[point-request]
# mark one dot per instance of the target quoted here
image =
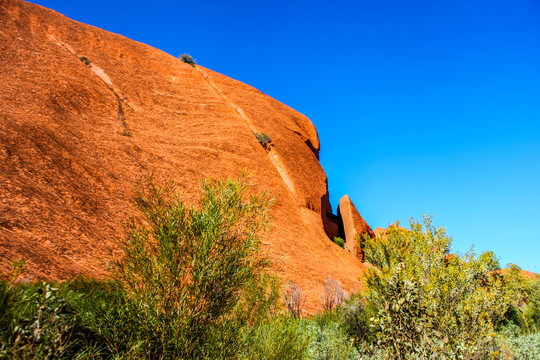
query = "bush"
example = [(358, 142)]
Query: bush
[(518, 346), (339, 242), (355, 322), (427, 303), (294, 299), (333, 294), (192, 284), (328, 342), (188, 59), (112, 322), (277, 338), (39, 323), (524, 300), (190, 267), (263, 139), (85, 60)]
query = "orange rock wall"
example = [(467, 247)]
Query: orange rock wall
[(353, 225), (74, 140)]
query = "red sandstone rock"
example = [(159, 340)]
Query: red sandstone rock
[(353, 225), (379, 231), (75, 139)]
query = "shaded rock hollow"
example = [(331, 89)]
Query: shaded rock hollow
[(75, 139)]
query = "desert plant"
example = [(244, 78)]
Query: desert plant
[(278, 338), (524, 299), (42, 325), (328, 340), (188, 59), (263, 139), (339, 241), (85, 60), (294, 299), (516, 345), (333, 294), (355, 322), (187, 270), (425, 302)]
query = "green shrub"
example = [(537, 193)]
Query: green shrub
[(518, 346), (188, 59), (328, 341), (424, 302), (85, 60), (112, 322), (188, 269), (38, 323), (263, 139), (192, 284), (355, 322), (339, 241), (524, 300), (277, 338)]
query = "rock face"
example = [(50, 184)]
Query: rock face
[(353, 225), (379, 231), (85, 114)]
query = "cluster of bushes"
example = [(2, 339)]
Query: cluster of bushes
[(194, 284), (422, 302)]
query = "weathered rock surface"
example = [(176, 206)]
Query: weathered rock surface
[(353, 225), (380, 231), (75, 139)]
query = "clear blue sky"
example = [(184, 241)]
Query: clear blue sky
[(421, 106)]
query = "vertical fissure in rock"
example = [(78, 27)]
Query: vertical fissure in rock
[(100, 73), (274, 157)]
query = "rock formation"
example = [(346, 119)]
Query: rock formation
[(353, 225), (85, 114)]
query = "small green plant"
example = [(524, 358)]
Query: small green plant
[(263, 139), (280, 337), (85, 60), (339, 241), (188, 59)]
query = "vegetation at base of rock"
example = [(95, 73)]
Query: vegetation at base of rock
[(520, 346), (188, 59), (339, 241), (294, 299), (99, 321), (263, 139), (524, 305), (424, 302), (333, 295), (194, 284), (191, 266)]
